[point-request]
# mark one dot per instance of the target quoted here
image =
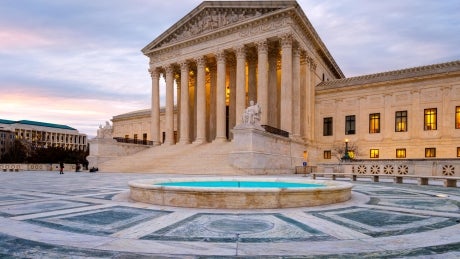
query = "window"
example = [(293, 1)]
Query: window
[(135, 138), (400, 153), (374, 153), (327, 126), (350, 122), (144, 138), (401, 121), (327, 154), (458, 151), (126, 137), (374, 123), (457, 117), (430, 119), (430, 152)]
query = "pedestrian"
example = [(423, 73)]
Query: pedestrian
[(61, 167)]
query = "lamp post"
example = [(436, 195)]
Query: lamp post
[(346, 156)]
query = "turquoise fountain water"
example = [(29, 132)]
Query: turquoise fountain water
[(240, 184)]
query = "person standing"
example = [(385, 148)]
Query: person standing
[(61, 168)]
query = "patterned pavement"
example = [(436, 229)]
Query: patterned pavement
[(89, 215)]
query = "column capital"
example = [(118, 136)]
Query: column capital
[(220, 56), (296, 51), (154, 72), (262, 46), (240, 51), (286, 40), (169, 69), (184, 65), (200, 61)]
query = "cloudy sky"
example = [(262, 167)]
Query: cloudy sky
[(78, 62)]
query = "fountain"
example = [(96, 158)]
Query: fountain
[(252, 192)]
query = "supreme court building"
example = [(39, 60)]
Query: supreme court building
[(223, 54)]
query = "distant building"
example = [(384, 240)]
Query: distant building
[(6, 141), (42, 134)]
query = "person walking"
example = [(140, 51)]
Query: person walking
[(61, 168)]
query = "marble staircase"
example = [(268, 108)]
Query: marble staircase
[(207, 158)]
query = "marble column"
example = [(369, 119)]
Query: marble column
[(178, 105), (240, 82), (201, 100), (286, 83), (211, 102), (220, 96), (232, 98), (252, 78), (262, 80), (155, 111), (296, 93), (169, 127), (184, 107), (273, 96)]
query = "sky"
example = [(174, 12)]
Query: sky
[(79, 62)]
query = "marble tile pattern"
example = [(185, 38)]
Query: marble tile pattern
[(81, 215)]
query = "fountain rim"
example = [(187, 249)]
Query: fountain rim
[(150, 184)]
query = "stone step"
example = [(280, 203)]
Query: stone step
[(207, 158)]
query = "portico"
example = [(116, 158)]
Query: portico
[(224, 54)]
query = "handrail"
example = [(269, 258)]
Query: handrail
[(134, 141), (276, 131)]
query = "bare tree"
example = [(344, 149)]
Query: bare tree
[(338, 150)]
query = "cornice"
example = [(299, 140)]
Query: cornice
[(402, 74)]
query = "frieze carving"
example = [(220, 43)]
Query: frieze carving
[(259, 28), (211, 19)]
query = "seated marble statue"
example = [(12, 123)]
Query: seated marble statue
[(105, 132), (251, 115)]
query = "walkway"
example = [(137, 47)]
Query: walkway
[(80, 215)]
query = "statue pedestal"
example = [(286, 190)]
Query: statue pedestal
[(259, 152)]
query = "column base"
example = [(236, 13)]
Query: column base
[(199, 141), (220, 140)]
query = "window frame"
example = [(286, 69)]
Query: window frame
[(328, 123), (457, 117), (430, 152), (350, 124), (430, 115), (401, 124), (374, 153), (374, 123), (400, 151)]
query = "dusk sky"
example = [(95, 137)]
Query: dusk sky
[(79, 62)]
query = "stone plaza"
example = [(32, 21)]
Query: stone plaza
[(89, 215)]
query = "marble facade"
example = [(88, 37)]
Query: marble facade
[(222, 55)]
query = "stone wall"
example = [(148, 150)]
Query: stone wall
[(104, 149), (433, 167)]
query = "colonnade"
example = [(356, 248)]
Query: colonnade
[(213, 90)]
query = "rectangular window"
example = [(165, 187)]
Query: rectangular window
[(400, 153), (458, 151), (457, 117), (430, 152), (327, 154), (126, 137), (327, 126), (135, 138), (350, 123), (430, 119), (374, 153), (401, 121), (374, 123)]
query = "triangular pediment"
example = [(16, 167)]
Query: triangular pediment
[(215, 15)]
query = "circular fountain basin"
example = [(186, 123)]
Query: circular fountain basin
[(272, 193)]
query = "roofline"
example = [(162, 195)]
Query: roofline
[(413, 72), (38, 123)]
